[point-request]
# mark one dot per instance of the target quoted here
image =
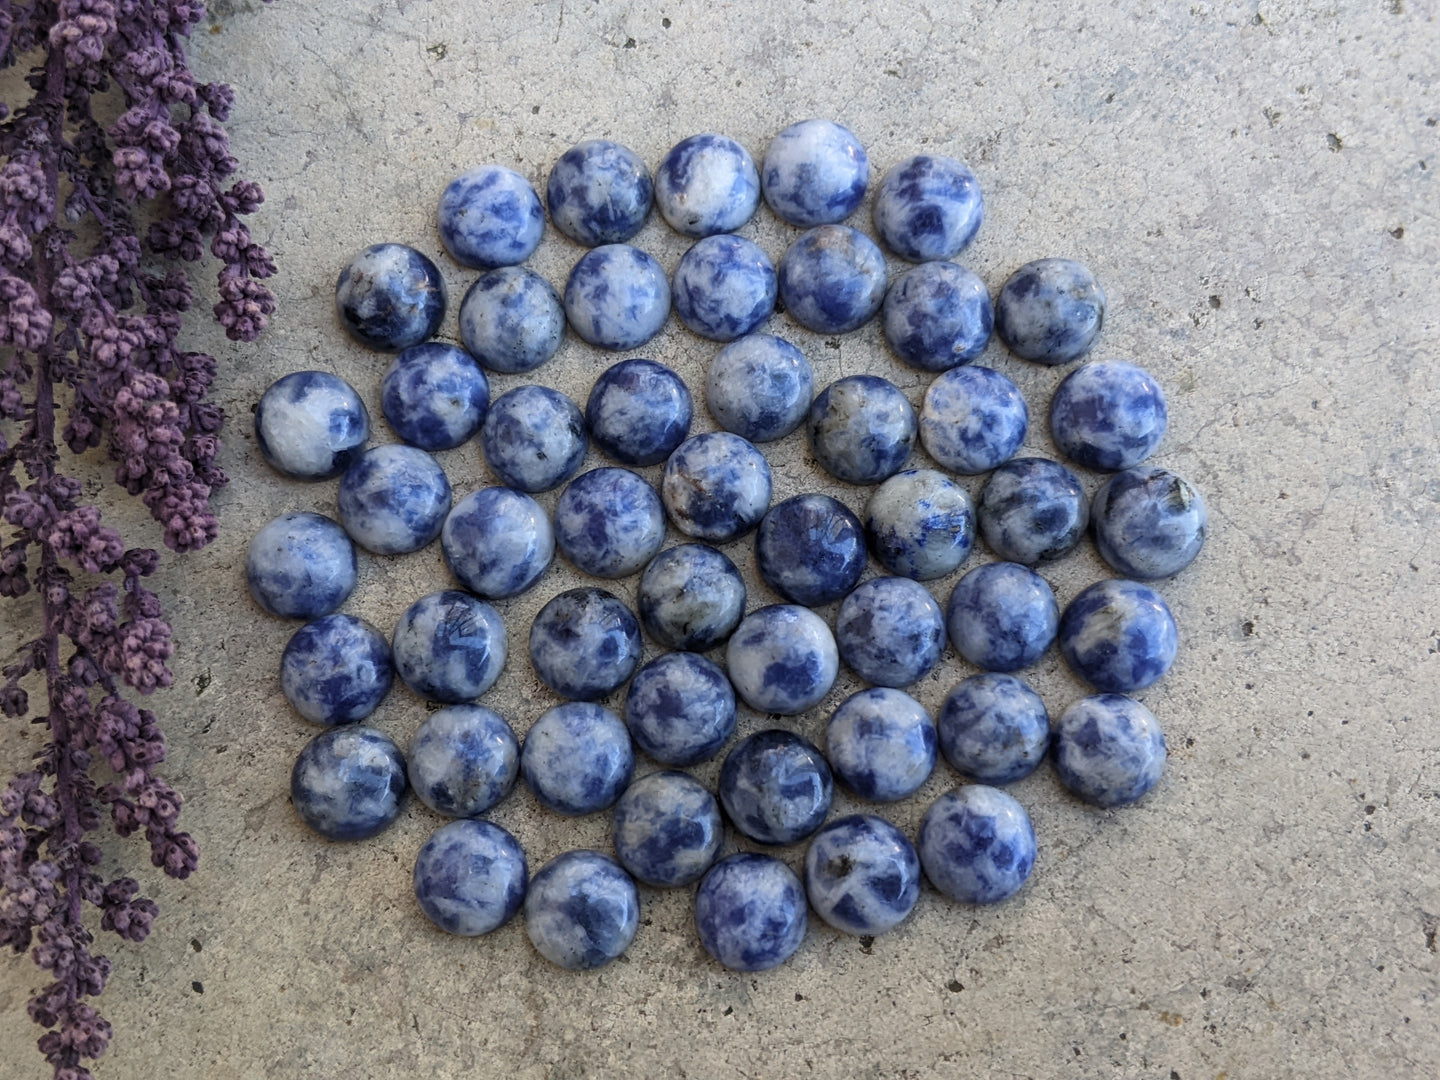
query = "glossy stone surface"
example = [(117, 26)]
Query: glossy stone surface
[(759, 387), (973, 419), (310, 425), (920, 524), (1118, 636), (832, 279), (1149, 523), (667, 829), (750, 912), (776, 787), (463, 759), (300, 566), (691, 597), (599, 192), (1050, 311), (862, 875), (449, 646), (881, 744), (716, 486), (976, 844), (470, 877), (815, 172), (994, 728), (390, 297), (937, 316), (928, 207), (534, 438), (1108, 415), (490, 216), (707, 184), (584, 643), (862, 429), (393, 499), (782, 659), (1032, 510), (724, 287), (582, 910), (890, 631), (435, 396), (1002, 616), (609, 522), (512, 320), (336, 670), (347, 782), (577, 758), (639, 412), (680, 708), (1109, 749), (810, 549), (617, 297), (497, 541)]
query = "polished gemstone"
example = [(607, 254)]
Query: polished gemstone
[(390, 297), (609, 522), (1108, 415), (810, 549), (639, 412), (1032, 510), (599, 192), (470, 877), (862, 875), (724, 287), (1050, 311), (667, 829), (862, 429), (512, 320), (300, 566), (890, 631), (1149, 523), (1002, 616), (311, 425), (393, 499), (497, 542), (750, 912), (534, 438), (463, 760), (814, 173), (928, 207), (716, 486), (920, 524), (584, 643), (707, 184), (490, 216), (976, 844), (348, 782), (577, 758), (782, 659), (994, 728), (1109, 749), (449, 646), (582, 910), (973, 419), (937, 316), (881, 744), (759, 387), (435, 396), (832, 279), (691, 597), (776, 787), (1118, 636), (336, 670), (617, 297), (680, 708)]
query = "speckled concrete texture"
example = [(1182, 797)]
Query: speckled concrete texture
[(1254, 186)]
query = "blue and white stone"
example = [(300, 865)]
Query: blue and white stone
[(497, 541), (920, 524), (512, 320), (435, 396), (609, 522), (577, 758), (724, 287), (890, 631), (759, 387), (1108, 415), (1118, 636), (470, 877), (534, 438), (599, 192), (1002, 616), (1149, 523), (707, 184), (347, 782), (390, 297), (776, 787), (393, 499), (750, 912), (1109, 749), (782, 659), (1050, 311), (937, 316), (994, 728), (667, 829), (463, 760), (490, 216), (1032, 510), (680, 708), (862, 429), (976, 844), (639, 412), (617, 297), (310, 425), (336, 670), (832, 279), (810, 549), (716, 486), (881, 744), (862, 875), (300, 566), (815, 173), (449, 647), (584, 643), (928, 207), (582, 910), (691, 597), (973, 419)]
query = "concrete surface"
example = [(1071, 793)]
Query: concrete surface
[(1254, 187)]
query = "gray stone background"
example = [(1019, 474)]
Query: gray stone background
[(1253, 185)]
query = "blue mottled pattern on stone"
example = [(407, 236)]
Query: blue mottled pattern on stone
[(639, 412), (994, 728), (1108, 415), (310, 425), (582, 910), (534, 438), (348, 782), (1002, 616), (881, 744), (776, 787), (976, 844), (617, 297), (832, 279), (300, 566), (470, 877), (750, 912), (691, 597), (512, 320), (609, 522), (782, 659), (1050, 311), (723, 287), (577, 758), (759, 387), (1109, 750), (815, 172), (390, 297), (497, 541), (862, 429), (1149, 523), (890, 631), (1032, 510), (862, 875), (920, 524), (810, 549), (707, 184), (599, 192), (928, 208), (336, 670), (667, 829), (490, 216), (584, 643), (449, 646), (680, 708), (716, 486), (937, 316), (393, 499), (463, 760), (435, 396), (973, 419), (1118, 636)]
